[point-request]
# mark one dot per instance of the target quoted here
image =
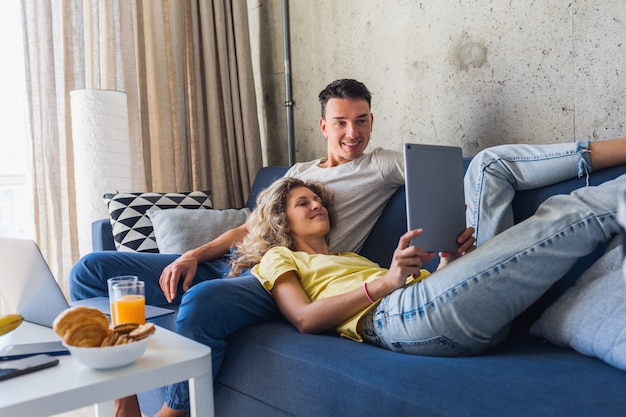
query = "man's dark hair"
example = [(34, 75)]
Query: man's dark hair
[(344, 88)]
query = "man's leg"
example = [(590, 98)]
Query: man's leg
[(496, 173), (88, 277), (213, 310)]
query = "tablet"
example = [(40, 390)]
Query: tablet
[(24, 350), (435, 199)]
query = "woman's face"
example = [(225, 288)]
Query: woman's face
[(306, 216)]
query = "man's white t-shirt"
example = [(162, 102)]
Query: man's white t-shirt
[(361, 187)]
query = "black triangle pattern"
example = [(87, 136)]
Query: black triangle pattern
[(132, 228)]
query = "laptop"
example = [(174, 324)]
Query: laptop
[(435, 198), (28, 287)]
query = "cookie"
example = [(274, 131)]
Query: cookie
[(142, 331), (110, 339), (125, 328)]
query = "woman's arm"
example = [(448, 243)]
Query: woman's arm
[(327, 313), (317, 316)]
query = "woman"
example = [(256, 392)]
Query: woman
[(461, 309)]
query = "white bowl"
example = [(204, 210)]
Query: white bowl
[(109, 357)]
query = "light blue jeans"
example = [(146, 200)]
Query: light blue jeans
[(496, 173), (466, 307)]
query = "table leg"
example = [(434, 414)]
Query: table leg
[(201, 396), (106, 409)]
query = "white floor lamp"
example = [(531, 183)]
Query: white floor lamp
[(102, 162)]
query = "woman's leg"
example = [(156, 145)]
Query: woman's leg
[(213, 310), (461, 308)]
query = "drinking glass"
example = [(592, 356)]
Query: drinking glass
[(129, 302), (115, 280)]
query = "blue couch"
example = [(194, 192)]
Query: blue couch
[(272, 370)]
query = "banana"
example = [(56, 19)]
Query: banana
[(10, 322)]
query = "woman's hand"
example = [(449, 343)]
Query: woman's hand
[(467, 243), (407, 259)]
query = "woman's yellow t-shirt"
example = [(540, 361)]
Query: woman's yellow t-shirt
[(323, 276)]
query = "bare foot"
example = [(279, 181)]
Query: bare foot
[(127, 407)]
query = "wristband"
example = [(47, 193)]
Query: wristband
[(367, 294)]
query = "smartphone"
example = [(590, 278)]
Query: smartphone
[(24, 350), (10, 369)]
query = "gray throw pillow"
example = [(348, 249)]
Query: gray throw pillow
[(177, 231), (590, 317)]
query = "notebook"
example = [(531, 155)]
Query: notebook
[(435, 199), (28, 287)]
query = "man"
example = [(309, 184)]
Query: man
[(212, 309), (346, 123)]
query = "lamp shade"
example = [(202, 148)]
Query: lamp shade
[(102, 162)]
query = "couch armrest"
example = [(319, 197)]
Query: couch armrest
[(102, 235)]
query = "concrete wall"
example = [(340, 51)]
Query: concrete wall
[(470, 73)]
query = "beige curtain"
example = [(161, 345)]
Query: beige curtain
[(186, 67)]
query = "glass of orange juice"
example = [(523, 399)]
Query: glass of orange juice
[(128, 302), (116, 280)]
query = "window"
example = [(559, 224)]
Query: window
[(15, 189)]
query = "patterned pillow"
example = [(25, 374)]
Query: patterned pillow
[(132, 228)]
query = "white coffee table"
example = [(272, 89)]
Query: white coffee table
[(169, 358)]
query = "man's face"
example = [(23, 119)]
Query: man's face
[(347, 127)]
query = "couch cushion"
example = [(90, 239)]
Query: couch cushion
[(264, 177), (319, 375), (177, 231), (132, 228), (590, 317)]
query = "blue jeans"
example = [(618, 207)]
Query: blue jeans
[(463, 308), (495, 174), (213, 310), (210, 311), (88, 277)]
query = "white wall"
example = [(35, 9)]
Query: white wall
[(471, 73)]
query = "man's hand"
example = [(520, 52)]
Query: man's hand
[(467, 243), (184, 267)]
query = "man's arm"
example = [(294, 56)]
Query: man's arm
[(186, 266)]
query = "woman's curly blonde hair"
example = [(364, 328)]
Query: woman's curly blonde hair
[(267, 223)]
